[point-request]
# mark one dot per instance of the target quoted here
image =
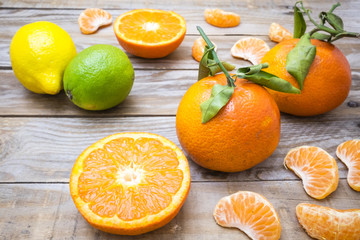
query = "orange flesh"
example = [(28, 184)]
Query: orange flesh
[(130, 179), (328, 223), (349, 153), (249, 212), (150, 27), (317, 169)]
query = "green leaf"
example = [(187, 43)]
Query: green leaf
[(256, 75), (273, 82), (321, 36), (215, 68), (299, 23), (300, 58), (335, 21), (204, 71), (242, 72), (220, 95)]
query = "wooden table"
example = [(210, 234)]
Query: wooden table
[(42, 135)]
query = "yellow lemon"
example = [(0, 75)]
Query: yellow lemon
[(39, 54)]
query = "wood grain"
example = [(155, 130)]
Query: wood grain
[(46, 211), (42, 135), (146, 98), (269, 5), (45, 149), (256, 25)]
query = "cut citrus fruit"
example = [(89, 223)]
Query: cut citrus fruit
[(220, 18), (150, 33), (250, 48), (349, 153), (317, 169), (198, 48), (251, 213), (92, 18), (130, 183), (328, 223), (278, 33)]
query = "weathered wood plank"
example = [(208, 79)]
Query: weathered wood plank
[(45, 149), (146, 97), (252, 24), (46, 211), (175, 4)]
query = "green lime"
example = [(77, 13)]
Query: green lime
[(98, 78)]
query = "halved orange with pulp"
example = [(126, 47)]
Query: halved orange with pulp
[(130, 183), (150, 33)]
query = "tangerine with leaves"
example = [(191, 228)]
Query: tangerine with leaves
[(312, 63), (326, 86), (130, 183), (244, 133)]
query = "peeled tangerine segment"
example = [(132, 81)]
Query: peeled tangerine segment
[(250, 48), (220, 18), (278, 33), (92, 18), (328, 223), (349, 153), (317, 169), (251, 213)]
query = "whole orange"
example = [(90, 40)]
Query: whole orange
[(325, 87), (244, 133)]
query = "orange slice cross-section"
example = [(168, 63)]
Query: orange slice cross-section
[(130, 183)]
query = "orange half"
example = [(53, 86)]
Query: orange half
[(317, 169), (251, 213), (328, 223), (130, 183), (349, 153), (150, 33)]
